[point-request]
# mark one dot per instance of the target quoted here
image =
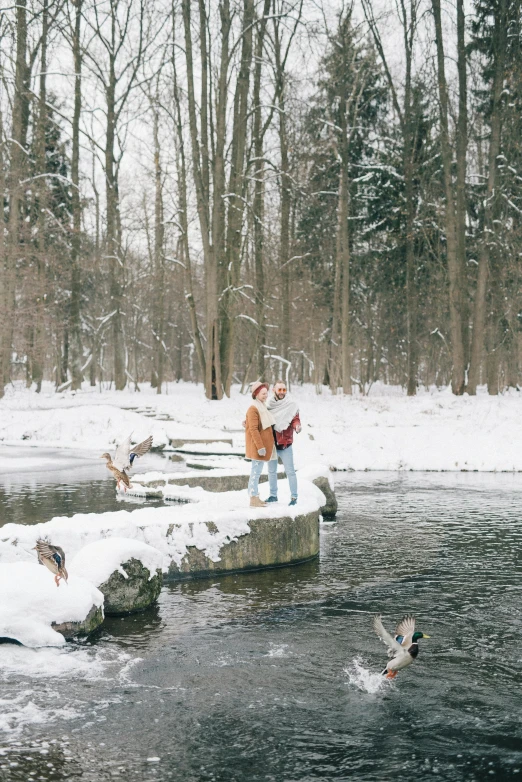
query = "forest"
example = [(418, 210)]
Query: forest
[(220, 191)]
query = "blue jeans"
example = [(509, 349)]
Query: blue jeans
[(287, 457), (255, 472)]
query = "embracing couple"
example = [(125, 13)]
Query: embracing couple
[(269, 434)]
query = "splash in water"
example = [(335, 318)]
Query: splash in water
[(365, 679), (277, 650)]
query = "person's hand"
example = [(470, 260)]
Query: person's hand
[(298, 428), (261, 451)]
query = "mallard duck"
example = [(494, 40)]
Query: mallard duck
[(53, 558), (123, 459), (404, 648)]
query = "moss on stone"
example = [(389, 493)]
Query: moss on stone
[(329, 510), (91, 623), (270, 543), (132, 594)]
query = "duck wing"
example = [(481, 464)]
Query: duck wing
[(59, 556), (393, 646), (405, 630), (139, 450), (122, 455), (45, 550)]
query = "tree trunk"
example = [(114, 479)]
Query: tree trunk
[(332, 360), (461, 208), (183, 209), (96, 347), (344, 263), (259, 195), (216, 258), (285, 199), (4, 262), (492, 359), (454, 212), (159, 271), (411, 281), (116, 267), (479, 310), (18, 166), (37, 342), (408, 152), (211, 249), (512, 360), (343, 245), (75, 305), (409, 27), (235, 200), (284, 239)]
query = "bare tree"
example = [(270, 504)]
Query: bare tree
[(75, 305), (120, 28), (236, 192), (258, 163), (408, 16), (455, 204), (212, 229), (184, 246), (17, 170), (499, 48)]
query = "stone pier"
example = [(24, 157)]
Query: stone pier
[(270, 543)]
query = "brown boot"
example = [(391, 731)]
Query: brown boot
[(255, 502)]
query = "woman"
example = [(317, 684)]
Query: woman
[(259, 440)]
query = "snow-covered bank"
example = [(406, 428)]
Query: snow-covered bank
[(384, 431), (31, 602)]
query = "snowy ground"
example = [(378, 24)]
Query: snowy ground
[(384, 431)]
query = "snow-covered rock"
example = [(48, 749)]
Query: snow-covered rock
[(174, 486), (174, 493), (214, 448), (11, 552), (311, 472), (321, 476), (35, 612), (127, 572)]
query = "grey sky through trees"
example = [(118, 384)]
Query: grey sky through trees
[(121, 283)]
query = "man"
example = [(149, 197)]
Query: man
[(286, 414)]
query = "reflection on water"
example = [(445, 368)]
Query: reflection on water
[(272, 675), (37, 484)]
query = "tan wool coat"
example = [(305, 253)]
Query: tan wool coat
[(256, 437)]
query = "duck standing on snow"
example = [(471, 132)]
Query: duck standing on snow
[(123, 459), (404, 648), (53, 558)]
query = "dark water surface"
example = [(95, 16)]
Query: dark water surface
[(274, 675)]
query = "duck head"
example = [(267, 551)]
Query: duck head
[(417, 636), (106, 456)]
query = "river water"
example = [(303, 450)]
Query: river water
[(275, 675)]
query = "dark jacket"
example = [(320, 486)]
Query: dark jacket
[(285, 438)]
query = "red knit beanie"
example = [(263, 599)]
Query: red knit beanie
[(256, 388)]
